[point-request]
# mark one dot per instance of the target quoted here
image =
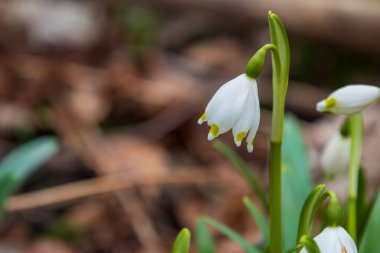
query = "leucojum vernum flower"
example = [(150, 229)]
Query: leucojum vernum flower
[(350, 99), (336, 155), (236, 106), (334, 240)]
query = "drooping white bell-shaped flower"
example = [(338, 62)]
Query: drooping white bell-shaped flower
[(234, 106), (336, 154), (334, 240), (350, 99)]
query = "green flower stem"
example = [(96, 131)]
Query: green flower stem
[(356, 132), (275, 197), (280, 75)]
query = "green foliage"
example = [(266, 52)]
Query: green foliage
[(204, 241), (309, 209), (296, 178), (370, 240), (296, 184), (244, 169), (310, 245), (232, 235), (361, 204), (258, 217), (280, 72), (21, 162), (182, 243)]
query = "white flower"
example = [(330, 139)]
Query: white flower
[(235, 105), (334, 240), (350, 99), (336, 154)]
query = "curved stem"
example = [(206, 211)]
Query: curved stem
[(310, 245), (309, 209), (356, 133)]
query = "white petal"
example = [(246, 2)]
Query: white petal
[(334, 240), (244, 123), (255, 122), (327, 240), (227, 104), (202, 119), (346, 240), (321, 106), (228, 89), (336, 155), (351, 99)]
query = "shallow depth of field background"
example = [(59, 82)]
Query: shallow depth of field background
[(122, 84)]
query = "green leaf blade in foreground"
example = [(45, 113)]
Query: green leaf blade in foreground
[(362, 206), (21, 162), (204, 241), (232, 235), (280, 40), (24, 160), (296, 179), (244, 169), (182, 242), (258, 217), (370, 240)]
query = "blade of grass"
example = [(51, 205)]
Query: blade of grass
[(244, 169), (258, 217), (21, 162), (232, 235), (362, 206), (370, 240), (182, 242), (204, 241)]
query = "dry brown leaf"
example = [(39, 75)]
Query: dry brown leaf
[(50, 246)]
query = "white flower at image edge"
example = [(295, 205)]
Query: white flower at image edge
[(334, 240), (235, 105), (336, 155), (350, 99)]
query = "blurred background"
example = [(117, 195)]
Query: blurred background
[(122, 83)]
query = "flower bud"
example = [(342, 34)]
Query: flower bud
[(350, 99), (256, 63)]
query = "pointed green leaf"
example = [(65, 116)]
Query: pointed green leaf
[(21, 162), (258, 217), (370, 240), (280, 39), (244, 169), (24, 160), (232, 235), (182, 242), (361, 204), (296, 178), (204, 241)]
